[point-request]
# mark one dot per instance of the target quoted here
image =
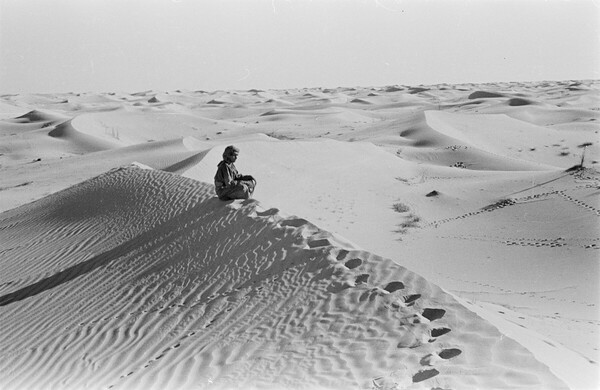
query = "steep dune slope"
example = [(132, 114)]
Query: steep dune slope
[(142, 279)]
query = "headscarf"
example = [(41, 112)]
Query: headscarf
[(230, 150)]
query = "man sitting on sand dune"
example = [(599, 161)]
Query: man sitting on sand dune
[(229, 184)]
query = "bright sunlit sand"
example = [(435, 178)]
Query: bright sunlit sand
[(425, 195), (400, 237)]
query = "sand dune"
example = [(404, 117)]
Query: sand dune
[(134, 127), (140, 278), (10, 111), (162, 277), (33, 120), (81, 142)]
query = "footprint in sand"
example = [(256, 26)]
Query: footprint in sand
[(409, 300), (353, 263), (297, 222), (433, 314), (370, 295), (449, 353), (406, 301), (445, 354), (408, 340), (268, 213), (394, 286), (437, 332), (319, 243), (424, 335), (362, 278), (342, 254), (424, 375)]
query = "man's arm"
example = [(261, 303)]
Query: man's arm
[(229, 176), (223, 177)]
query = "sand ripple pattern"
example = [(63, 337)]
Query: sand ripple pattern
[(144, 280)]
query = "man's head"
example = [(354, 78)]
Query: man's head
[(230, 154)]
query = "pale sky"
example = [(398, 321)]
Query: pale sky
[(134, 45)]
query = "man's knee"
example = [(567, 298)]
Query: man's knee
[(239, 191)]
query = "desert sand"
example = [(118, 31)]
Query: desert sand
[(400, 237)]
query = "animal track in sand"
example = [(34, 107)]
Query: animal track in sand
[(163, 353), (436, 224), (552, 243), (160, 310), (513, 201), (578, 202), (585, 243)]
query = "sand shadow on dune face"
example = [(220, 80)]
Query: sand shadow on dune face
[(147, 240), (185, 164)]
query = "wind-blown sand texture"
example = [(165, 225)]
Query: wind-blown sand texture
[(117, 276)]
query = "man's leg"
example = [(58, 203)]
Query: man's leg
[(250, 184), (238, 191)]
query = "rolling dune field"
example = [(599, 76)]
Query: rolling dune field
[(402, 237)]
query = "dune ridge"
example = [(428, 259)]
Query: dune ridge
[(85, 143), (198, 292)]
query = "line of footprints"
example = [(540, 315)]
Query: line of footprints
[(409, 339), (162, 354), (136, 313), (579, 202), (510, 202)]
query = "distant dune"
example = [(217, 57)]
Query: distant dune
[(402, 237)]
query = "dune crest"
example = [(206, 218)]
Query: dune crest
[(83, 142), (39, 116)]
